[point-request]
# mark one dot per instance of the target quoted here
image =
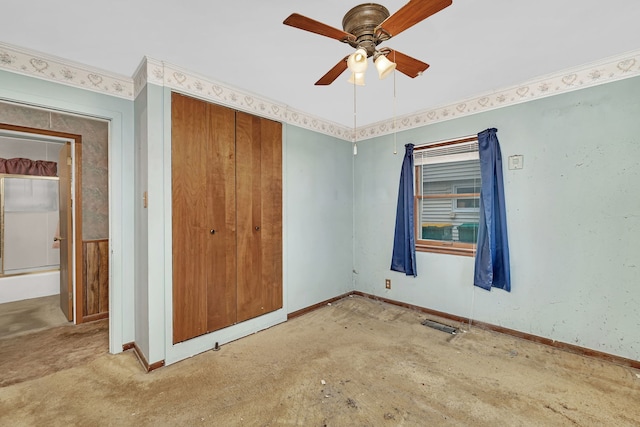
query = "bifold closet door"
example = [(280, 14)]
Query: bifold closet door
[(221, 210), (189, 134), (203, 217), (259, 215), (226, 216)]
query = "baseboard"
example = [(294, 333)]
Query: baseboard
[(529, 337), (582, 351), (313, 307), (94, 317), (140, 355)]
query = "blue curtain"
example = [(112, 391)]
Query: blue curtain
[(404, 243), (492, 253)]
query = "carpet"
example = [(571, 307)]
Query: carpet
[(27, 356), (356, 362)]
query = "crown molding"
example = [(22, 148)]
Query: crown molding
[(47, 67), (604, 71), (151, 71)]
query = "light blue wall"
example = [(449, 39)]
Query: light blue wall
[(141, 285), (573, 214), (157, 218), (119, 112), (318, 185)]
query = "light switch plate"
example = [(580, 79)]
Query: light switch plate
[(516, 162)]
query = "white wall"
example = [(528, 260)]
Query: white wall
[(573, 216)]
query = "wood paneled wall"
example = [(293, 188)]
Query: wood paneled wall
[(95, 279)]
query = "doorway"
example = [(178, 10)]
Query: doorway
[(37, 222), (84, 266)]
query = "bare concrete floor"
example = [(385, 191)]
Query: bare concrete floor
[(357, 362)]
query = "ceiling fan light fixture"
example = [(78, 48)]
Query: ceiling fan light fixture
[(357, 61), (366, 26), (357, 79), (384, 66)]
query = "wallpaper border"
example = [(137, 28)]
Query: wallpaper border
[(152, 71), (47, 67), (604, 71)]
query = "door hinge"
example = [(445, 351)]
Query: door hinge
[(69, 162)]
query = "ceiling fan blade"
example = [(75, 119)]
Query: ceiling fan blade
[(333, 73), (407, 65), (302, 22), (409, 15)]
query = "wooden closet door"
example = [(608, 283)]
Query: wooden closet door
[(189, 135), (226, 216), (259, 215), (221, 210)]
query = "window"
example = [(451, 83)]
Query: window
[(469, 203), (447, 199)]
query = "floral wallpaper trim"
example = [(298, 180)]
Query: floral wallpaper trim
[(59, 70), (604, 71), (47, 67), (149, 71), (165, 74)]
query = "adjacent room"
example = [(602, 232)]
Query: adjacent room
[(412, 213)]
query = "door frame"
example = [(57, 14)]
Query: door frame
[(76, 189), (65, 228)]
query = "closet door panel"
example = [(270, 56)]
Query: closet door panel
[(271, 211), (189, 220), (259, 192), (221, 210), (249, 284)]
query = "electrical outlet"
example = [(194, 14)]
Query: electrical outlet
[(387, 283)]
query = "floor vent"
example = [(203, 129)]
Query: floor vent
[(439, 326)]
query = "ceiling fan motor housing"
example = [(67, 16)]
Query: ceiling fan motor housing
[(361, 21)]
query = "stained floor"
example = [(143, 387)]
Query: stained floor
[(357, 362), (30, 315)]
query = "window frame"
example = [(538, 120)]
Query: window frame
[(438, 246), (455, 197)]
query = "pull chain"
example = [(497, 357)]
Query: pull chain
[(355, 144), (395, 130)]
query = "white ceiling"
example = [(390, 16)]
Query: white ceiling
[(474, 47)]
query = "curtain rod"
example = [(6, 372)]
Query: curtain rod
[(444, 142)]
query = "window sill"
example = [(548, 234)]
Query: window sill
[(449, 248)]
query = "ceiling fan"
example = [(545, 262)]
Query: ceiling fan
[(364, 28)]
